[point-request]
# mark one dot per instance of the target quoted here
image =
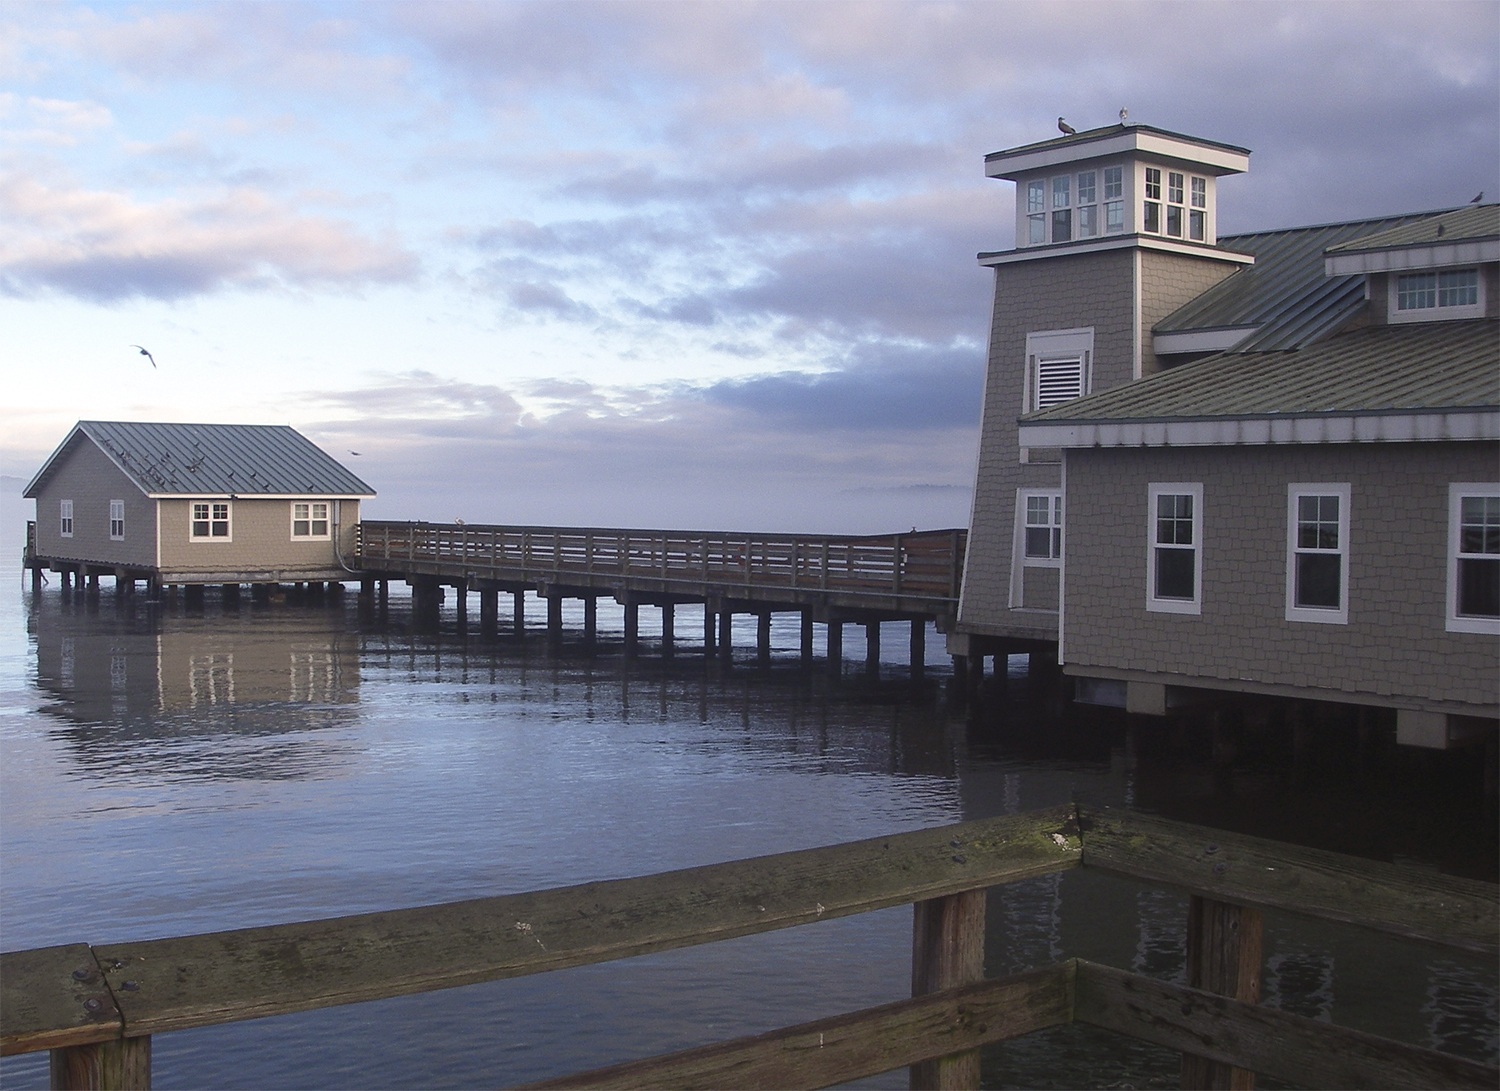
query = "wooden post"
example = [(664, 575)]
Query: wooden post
[(872, 647), (726, 634), (591, 624), (763, 637), (708, 630), (947, 951), (124, 1064), (518, 613), (668, 629), (489, 611), (461, 604), (632, 626), (835, 645), (918, 647), (1224, 957), (807, 637), (554, 617)]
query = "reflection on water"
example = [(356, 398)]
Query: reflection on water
[(170, 772)]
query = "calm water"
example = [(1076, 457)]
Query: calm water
[(168, 772)]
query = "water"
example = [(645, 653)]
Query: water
[(169, 771)]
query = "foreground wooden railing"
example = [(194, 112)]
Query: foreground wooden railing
[(922, 563), (96, 1007)]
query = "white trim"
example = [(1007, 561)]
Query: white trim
[(1457, 623), (1057, 346), (1155, 603), (1212, 159), (1324, 615), (260, 495), (1116, 242), (1219, 340), (1451, 425), (1403, 259)]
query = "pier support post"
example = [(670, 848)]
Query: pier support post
[(872, 647), (918, 647), (591, 624), (726, 634), (708, 630), (124, 1062), (947, 951), (668, 629), (835, 646), (554, 618), (807, 637), (632, 626), (461, 605), (489, 612), (1224, 957), (763, 637), (518, 622)]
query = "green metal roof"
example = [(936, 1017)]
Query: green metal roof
[(212, 459), (1471, 223), (1413, 368), (1286, 297)]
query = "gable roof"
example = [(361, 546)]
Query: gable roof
[(1471, 223), (1448, 372), (1287, 299), (211, 459)]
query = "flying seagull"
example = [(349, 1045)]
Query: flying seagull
[(354, 453), (146, 354), (1064, 128)]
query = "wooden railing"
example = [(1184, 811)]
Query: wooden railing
[(96, 1007), (923, 564)]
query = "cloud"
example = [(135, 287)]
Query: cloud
[(102, 246)]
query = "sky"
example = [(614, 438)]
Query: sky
[(677, 265)]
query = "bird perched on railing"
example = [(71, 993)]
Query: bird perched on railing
[(1064, 128)]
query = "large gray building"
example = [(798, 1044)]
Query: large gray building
[(1262, 463)]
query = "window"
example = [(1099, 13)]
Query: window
[(1174, 203), (1036, 212), (1317, 577), (1151, 209), (1474, 558), (310, 520), (1088, 211), (65, 518), (1449, 293), (1062, 212), (1042, 528), (1175, 564), (210, 520), (1114, 203), (1198, 214), (117, 520), (1057, 367)]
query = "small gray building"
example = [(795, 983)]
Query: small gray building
[(194, 504), (1264, 463)]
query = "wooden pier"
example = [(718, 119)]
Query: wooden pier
[(96, 1006), (828, 580)]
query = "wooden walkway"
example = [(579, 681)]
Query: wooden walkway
[(828, 579)]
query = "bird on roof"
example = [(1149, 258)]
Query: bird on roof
[(1477, 198), (1064, 128), (1124, 114), (146, 354)]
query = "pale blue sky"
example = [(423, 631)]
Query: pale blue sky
[(688, 265)]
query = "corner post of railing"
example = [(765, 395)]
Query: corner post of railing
[(1223, 957), (947, 951), (123, 1064), (898, 563)]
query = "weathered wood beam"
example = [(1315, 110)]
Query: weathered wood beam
[(54, 997), (863, 1043), (947, 951), (1229, 867), (1300, 1051), (221, 977)]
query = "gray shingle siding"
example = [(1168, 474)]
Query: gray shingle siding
[(1395, 648)]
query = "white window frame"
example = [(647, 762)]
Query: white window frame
[(1295, 492), (1057, 353), (1173, 605), (311, 518), (65, 518), (1053, 499), (1456, 622), (211, 518), (1438, 312), (117, 520)]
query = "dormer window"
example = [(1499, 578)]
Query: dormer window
[(1440, 294), (1114, 203), (1198, 214), (1151, 209)]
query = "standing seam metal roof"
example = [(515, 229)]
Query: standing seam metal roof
[(1287, 293), (1422, 367), (198, 459)]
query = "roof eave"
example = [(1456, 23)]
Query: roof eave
[(1458, 424), (1428, 255)]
